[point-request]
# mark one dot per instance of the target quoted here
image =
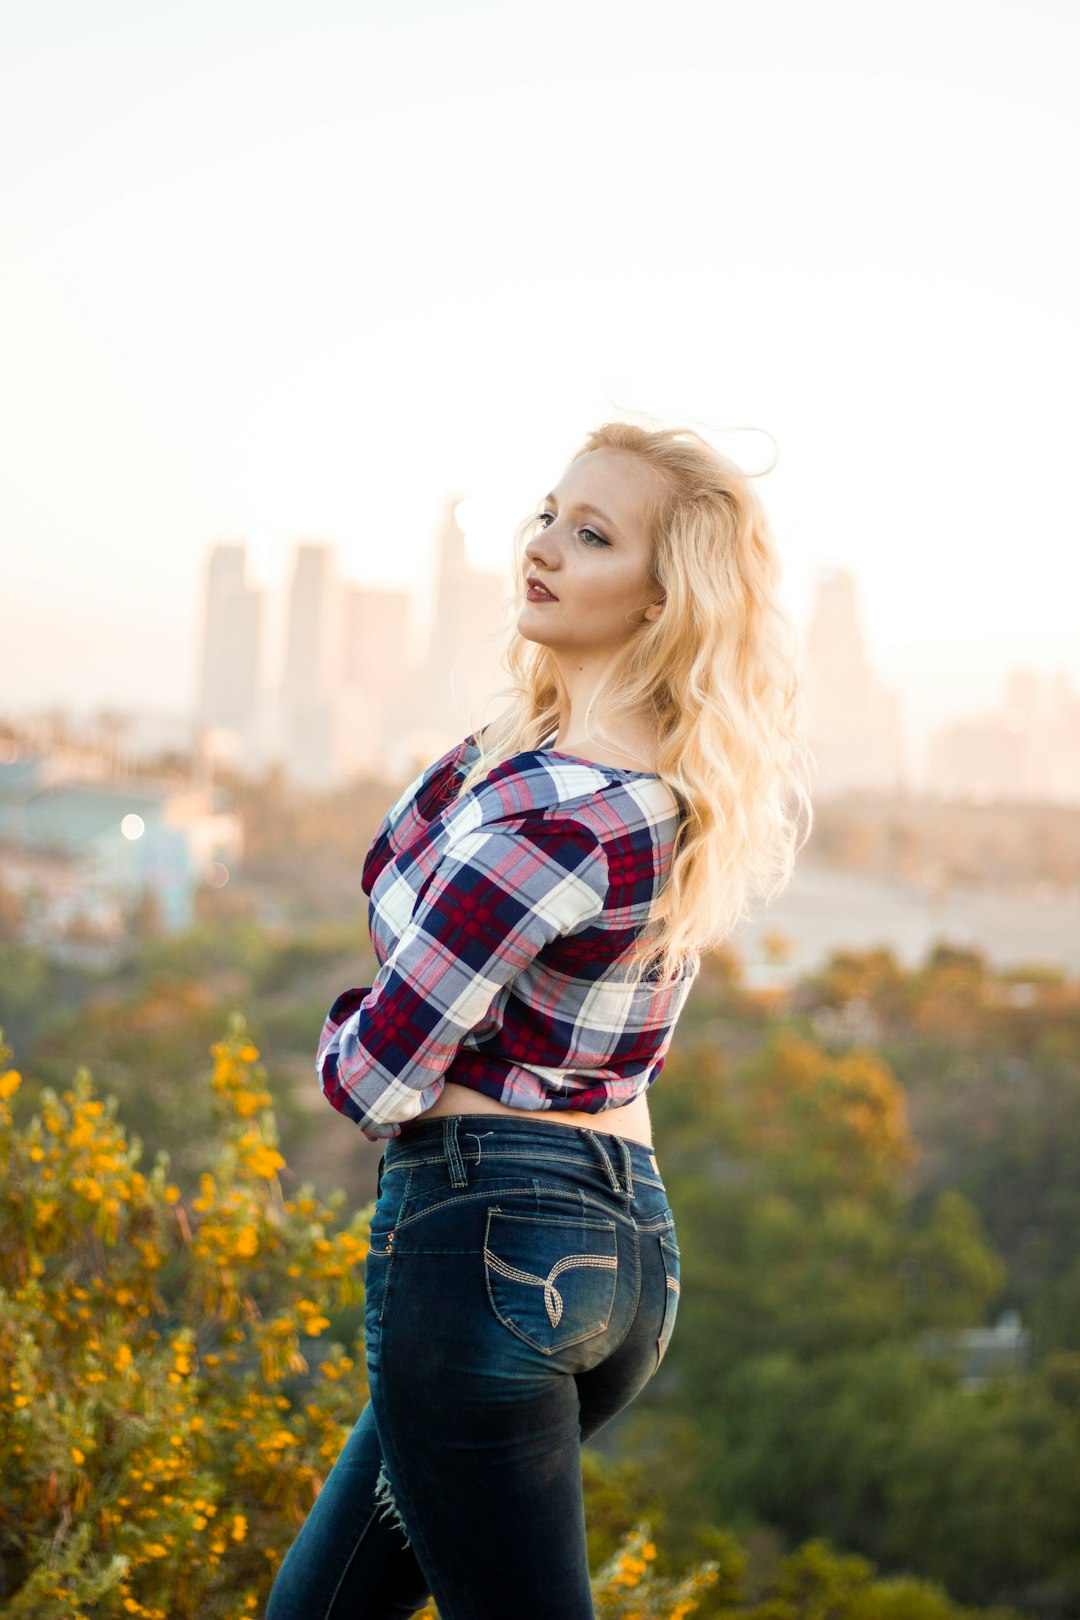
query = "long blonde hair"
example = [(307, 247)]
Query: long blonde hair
[(715, 676)]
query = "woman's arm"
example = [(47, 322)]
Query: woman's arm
[(497, 897)]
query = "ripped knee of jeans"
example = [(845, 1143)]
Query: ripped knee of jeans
[(384, 1496)]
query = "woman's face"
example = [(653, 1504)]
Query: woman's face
[(595, 561)]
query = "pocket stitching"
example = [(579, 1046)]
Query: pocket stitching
[(493, 1262)]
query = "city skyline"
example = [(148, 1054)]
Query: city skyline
[(272, 279), (259, 658), (324, 708), (253, 670)]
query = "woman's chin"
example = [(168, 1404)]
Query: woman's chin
[(530, 623)]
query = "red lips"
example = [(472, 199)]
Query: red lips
[(537, 584)]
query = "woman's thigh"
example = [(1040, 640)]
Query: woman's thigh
[(350, 1559)]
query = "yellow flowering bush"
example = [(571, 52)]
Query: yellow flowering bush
[(162, 1431)]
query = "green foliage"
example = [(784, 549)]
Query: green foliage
[(820, 1241), (799, 1389), (24, 985)]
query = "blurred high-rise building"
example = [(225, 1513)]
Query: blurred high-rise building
[(1062, 779), (378, 682), (853, 720), (311, 678), (1028, 747), (231, 647), (468, 635)]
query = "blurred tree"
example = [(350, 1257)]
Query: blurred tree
[(147, 917)]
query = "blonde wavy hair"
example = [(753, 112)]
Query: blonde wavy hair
[(716, 677)]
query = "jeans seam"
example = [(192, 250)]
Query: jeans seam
[(672, 1286), (336, 1593), (404, 1221), (390, 1260), (632, 1317), (416, 1536)]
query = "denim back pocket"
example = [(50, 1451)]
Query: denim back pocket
[(551, 1278), (669, 1250)]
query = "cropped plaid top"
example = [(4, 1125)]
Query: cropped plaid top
[(499, 923)]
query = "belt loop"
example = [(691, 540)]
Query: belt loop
[(454, 1159), (628, 1167), (604, 1159)]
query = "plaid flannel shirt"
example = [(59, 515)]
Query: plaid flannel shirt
[(498, 924)]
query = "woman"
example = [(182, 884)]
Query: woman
[(539, 900)]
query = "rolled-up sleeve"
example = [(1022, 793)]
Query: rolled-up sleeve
[(499, 894)]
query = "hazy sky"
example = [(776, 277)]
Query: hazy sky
[(302, 270)]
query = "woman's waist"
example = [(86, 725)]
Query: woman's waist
[(630, 1119), (509, 1136)]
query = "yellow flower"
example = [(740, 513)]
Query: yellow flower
[(264, 1161), (77, 1456), (10, 1083), (246, 1242)]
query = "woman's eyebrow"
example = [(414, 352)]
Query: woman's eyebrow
[(593, 511)]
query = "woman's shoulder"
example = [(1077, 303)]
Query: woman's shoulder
[(532, 785)]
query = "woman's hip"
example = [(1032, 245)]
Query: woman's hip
[(510, 1248)]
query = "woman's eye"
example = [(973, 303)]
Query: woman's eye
[(598, 538)]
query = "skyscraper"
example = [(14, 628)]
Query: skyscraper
[(468, 636), (231, 643), (853, 720), (379, 682), (311, 681)]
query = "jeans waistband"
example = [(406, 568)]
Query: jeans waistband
[(460, 1139)]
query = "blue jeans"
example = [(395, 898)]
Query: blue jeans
[(522, 1284)]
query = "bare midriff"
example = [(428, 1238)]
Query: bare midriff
[(630, 1120)]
